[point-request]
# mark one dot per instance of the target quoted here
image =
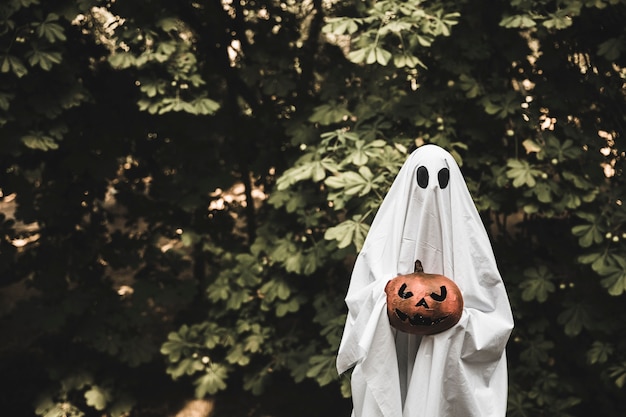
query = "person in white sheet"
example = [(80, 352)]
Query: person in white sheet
[(427, 215)]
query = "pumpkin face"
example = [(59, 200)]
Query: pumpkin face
[(423, 304)]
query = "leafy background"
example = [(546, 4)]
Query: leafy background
[(185, 186)]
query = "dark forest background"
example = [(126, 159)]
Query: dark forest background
[(184, 186)]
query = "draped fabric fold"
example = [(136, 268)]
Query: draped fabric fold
[(428, 214)]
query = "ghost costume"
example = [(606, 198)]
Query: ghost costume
[(428, 214)]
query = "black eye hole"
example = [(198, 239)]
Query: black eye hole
[(443, 177), (422, 177)]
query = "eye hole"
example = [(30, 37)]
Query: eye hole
[(443, 177), (422, 177), (439, 297), (404, 294)]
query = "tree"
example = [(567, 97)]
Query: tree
[(192, 181)]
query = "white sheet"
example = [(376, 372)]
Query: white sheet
[(462, 371)]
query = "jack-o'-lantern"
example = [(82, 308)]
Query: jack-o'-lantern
[(423, 304)]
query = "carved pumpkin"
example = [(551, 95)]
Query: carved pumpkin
[(423, 304)]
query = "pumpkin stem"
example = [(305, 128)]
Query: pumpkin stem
[(418, 266)]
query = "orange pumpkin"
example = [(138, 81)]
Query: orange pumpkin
[(423, 304)]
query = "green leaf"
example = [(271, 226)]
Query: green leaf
[(543, 191), (212, 381), (275, 289), (284, 249), (469, 85), (314, 258), (441, 25), (76, 381), (575, 318), (521, 173), (588, 234), (501, 106), (48, 408), (237, 298), (352, 183), (121, 60), (358, 55), (44, 59), (169, 24), (346, 388), (187, 366), (189, 238), (348, 232), (340, 25), (254, 343), (363, 151), (407, 60), (173, 347), (562, 150), (37, 140), (602, 263), (13, 64), (315, 170), (329, 113), (204, 106), (382, 56), (538, 284), (164, 51), (5, 100), (358, 157), (285, 307), (212, 337), (599, 353), (536, 351), (395, 26), (257, 382), (559, 20), (294, 175), (611, 49), (424, 39), (294, 263), (97, 397), (152, 87), (615, 280), (50, 30), (571, 201), (122, 406), (578, 181), (518, 21), (236, 356), (590, 258), (618, 372), (218, 291), (322, 369)]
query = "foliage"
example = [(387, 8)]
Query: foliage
[(185, 186)]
